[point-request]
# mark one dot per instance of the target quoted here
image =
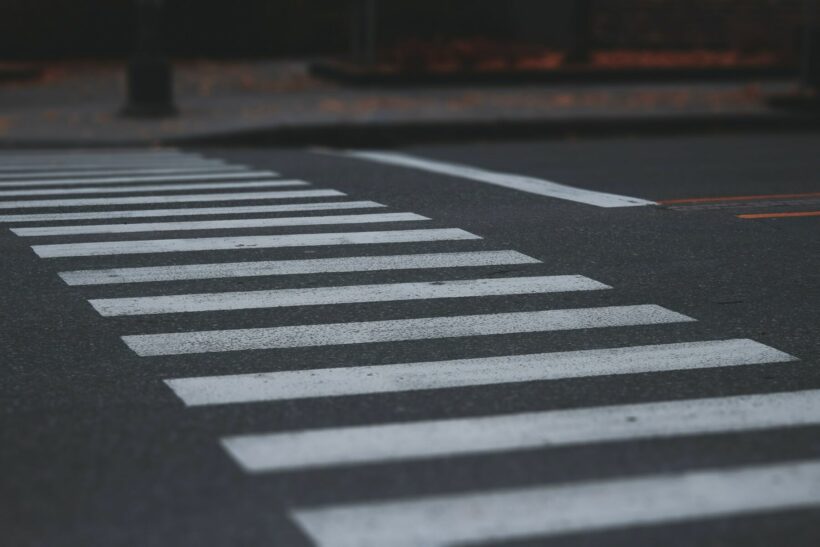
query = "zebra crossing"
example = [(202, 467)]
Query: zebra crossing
[(168, 176)]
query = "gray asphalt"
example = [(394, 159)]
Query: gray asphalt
[(97, 451)]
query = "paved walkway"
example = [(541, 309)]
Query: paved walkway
[(77, 104)]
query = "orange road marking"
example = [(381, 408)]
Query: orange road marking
[(782, 215), (738, 198)]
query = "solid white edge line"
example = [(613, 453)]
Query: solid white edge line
[(521, 183)]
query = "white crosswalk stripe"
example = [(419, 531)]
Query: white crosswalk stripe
[(95, 174), (154, 188), (177, 198), (292, 267), (346, 294), (190, 212), (237, 224), (210, 175), (543, 511), (399, 330), (488, 434), (486, 371), (47, 167), (247, 242)]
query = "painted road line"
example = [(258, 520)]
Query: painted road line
[(58, 176), (47, 168), (521, 183), (239, 185), (735, 205), (179, 198), (188, 212), (247, 242), (507, 369), (381, 443), (344, 294), (295, 267), (738, 198), (426, 328), (797, 214), (583, 507), (236, 224), (142, 178)]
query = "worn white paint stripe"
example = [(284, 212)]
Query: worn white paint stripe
[(55, 177), (292, 267), (247, 242), (155, 188), (543, 511), (345, 294), (396, 330), (521, 183), (235, 224), (178, 198), (381, 443), (191, 212), (98, 165), (364, 380), (232, 175)]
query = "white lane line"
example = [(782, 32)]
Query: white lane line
[(396, 330), (180, 198), (345, 294), (542, 511), (155, 188), (235, 224), (363, 380), (59, 176), (247, 242), (521, 183), (141, 178), (189, 212), (345, 446), (291, 267)]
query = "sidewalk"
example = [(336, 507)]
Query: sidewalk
[(279, 102)]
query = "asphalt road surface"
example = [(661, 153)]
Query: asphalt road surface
[(594, 342)]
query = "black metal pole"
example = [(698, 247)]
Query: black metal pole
[(579, 48), (810, 70), (149, 76)]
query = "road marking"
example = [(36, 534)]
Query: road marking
[(542, 511), (781, 215), (369, 444), (426, 328), (141, 178), (180, 198), (58, 176), (156, 188), (738, 198), (345, 294), (47, 168), (507, 369), (188, 212), (291, 267), (100, 248), (236, 224), (521, 183)]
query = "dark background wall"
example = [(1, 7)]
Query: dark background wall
[(247, 28)]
